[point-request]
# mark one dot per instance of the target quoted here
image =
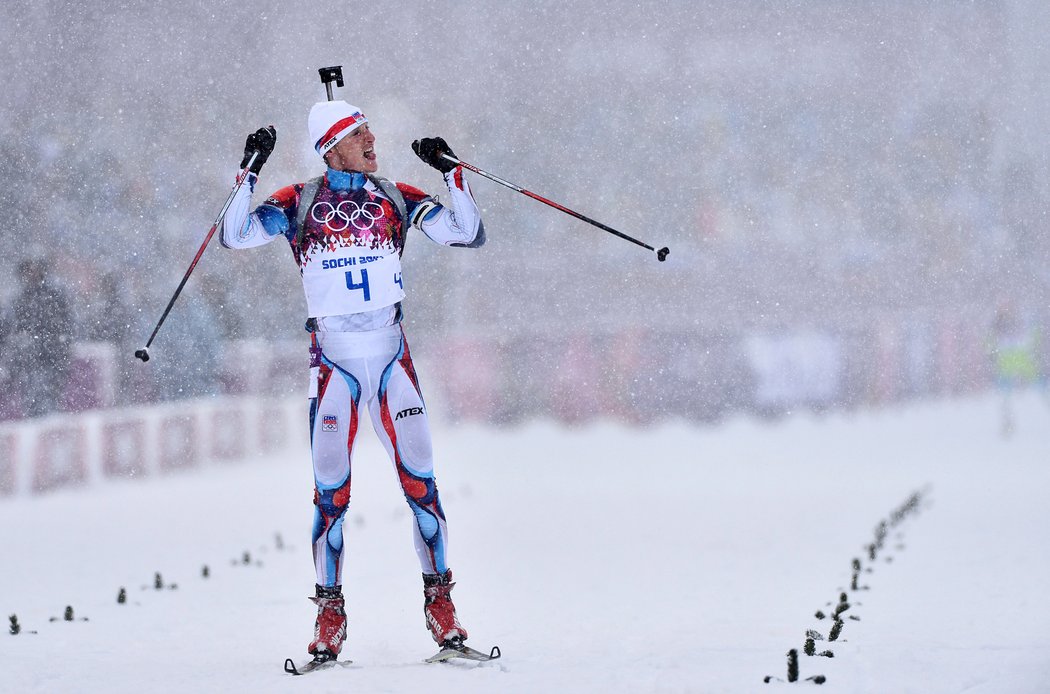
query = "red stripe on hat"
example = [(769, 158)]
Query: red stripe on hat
[(339, 127)]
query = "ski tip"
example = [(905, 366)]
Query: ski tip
[(289, 667), (494, 653)]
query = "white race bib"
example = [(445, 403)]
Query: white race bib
[(351, 280)]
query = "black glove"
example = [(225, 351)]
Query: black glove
[(430, 149), (261, 141)]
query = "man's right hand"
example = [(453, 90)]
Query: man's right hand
[(262, 141)]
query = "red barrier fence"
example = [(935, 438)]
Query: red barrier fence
[(67, 450)]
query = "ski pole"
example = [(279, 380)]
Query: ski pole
[(661, 254), (143, 353)]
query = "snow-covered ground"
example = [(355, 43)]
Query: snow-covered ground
[(601, 559)]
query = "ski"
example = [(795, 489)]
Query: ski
[(448, 652), (463, 652), (313, 665)]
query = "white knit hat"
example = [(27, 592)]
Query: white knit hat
[(331, 121)]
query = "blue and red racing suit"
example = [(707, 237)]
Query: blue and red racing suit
[(348, 253)]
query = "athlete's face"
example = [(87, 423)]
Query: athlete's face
[(355, 152)]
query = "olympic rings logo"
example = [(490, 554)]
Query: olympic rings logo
[(348, 213)]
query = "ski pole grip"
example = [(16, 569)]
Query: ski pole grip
[(251, 160)]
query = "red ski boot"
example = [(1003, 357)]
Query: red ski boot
[(330, 628), (441, 613)]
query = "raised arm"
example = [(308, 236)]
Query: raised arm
[(457, 223), (239, 228)]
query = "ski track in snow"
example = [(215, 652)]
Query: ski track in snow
[(599, 559)]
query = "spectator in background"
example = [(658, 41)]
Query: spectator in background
[(114, 317), (37, 352), (115, 320), (191, 350), (7, 405), (216, 292), (1015, 351)]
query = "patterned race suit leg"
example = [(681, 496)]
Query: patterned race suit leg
[(371, 369)]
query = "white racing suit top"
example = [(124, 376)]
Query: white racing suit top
[(351, 239)]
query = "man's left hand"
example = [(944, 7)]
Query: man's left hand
[(430, 149)]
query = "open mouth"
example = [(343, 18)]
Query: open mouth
[(370, 153)]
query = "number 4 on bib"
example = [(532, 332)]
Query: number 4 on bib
[(339, 284), (363, 285)]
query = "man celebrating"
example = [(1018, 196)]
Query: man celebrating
[(347, 232)]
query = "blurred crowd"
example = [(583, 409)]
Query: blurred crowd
[(849, 219), (68, 349)]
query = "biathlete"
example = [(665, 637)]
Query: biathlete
[(347, 232)]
